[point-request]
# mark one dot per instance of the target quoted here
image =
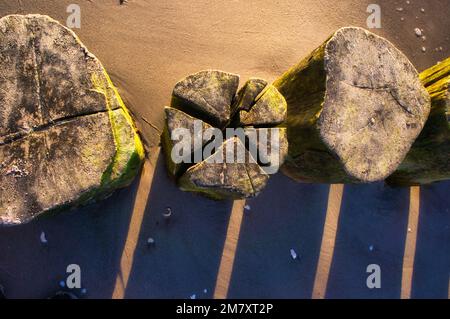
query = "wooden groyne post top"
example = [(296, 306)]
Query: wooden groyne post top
[(355, 106)]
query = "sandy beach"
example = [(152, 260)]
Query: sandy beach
[(146, 47)]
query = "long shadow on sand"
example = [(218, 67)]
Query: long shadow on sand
[(372, 230), (431, 277), (92, 237), (186, 256), (286, 215)]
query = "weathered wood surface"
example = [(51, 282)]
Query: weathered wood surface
[(65, 135), (211, 96), (429, 158), (355, 106)]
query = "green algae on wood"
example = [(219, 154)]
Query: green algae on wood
[(247, 95), (129, 149), (207, 95), (355, 106), (193, 99), (268, 146), (219, 180), (65, 135), (429, 158), (176, 119), (268, 109)]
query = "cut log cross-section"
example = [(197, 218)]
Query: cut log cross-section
[(259, 104), (176, 119), (65, 135), (210, 98), (207, 94), (217, 179), (429, 158), (355, 106)]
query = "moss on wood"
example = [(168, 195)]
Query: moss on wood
[(429, 158), (211, 96), (354, 107), (66, 137)]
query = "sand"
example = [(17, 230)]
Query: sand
[(147, 46)]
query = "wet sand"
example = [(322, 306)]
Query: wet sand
[(146, 47)]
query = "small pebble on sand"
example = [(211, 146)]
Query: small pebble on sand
[(150, 241), (418, 32), (424, 49), (293, 254), (43, 238)]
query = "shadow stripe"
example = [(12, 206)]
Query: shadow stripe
[(134, 229), (410, 242), (229, 250), (328, 241)]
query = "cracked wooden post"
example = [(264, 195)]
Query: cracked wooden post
[(429, 158), (210, 98), (66, 137), (355, 106), (207, 94), (176, 119), (223, 180)]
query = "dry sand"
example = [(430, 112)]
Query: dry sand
[(147, 46)]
